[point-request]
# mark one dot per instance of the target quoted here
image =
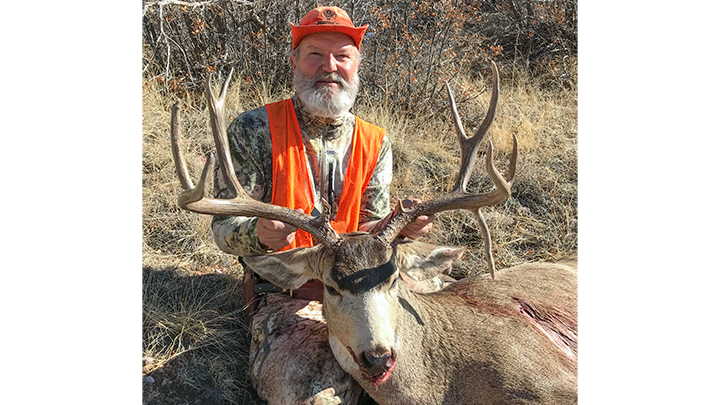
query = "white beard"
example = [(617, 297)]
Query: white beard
[(326, 102)]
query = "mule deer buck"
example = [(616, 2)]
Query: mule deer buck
[(510, 338)]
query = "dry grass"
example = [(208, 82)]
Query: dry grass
[(194, 338), (195, 341)]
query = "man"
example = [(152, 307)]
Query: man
[(325, 57), (295, 153)]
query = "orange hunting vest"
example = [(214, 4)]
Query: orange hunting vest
[(292, 186)]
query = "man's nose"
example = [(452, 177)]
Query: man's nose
[(330, 63)]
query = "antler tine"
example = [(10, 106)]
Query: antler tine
[(188, 198), (455, 116), (487, 241), (469, 146), (510, 174), (178, 157), (194, 198), (217, 121)]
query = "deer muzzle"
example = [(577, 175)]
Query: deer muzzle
[(378, 364)]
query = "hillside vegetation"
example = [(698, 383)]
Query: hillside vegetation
[(194, 337)]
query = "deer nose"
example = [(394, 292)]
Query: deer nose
[(378, 362)]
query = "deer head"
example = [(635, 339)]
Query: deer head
[(360, 270)]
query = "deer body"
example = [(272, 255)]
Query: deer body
[(480, 340), (473, 343)]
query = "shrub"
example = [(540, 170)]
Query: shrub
[(410, 48)]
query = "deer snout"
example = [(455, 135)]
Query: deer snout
[(378, 364)]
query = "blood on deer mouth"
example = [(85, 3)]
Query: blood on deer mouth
[(377, 378), (383, 376)]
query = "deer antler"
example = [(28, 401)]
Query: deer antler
[(458, 198), (194, 198)]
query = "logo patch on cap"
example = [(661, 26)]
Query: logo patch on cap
[(329, 17)]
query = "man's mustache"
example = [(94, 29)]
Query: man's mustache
[(329, 77)]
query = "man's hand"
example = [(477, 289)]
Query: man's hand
[(421, 225), (275, 234)]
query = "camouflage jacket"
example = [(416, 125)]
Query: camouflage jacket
[(251, 151)]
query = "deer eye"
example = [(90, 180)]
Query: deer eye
[(394, 283), (331, 290)]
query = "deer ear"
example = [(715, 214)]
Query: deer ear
[(421, 261), (292, 268)]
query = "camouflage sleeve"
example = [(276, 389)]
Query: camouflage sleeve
[(251, 151), (375, 202)]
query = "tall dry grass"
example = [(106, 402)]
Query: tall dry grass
[(194, 340)]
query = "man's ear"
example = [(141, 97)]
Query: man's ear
[(422, 261), (292, 268)]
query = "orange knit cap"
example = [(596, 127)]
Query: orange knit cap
[(324, 19)]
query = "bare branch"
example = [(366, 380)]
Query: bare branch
[(192, 4)]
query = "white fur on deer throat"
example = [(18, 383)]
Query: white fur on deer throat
[(374, 328)]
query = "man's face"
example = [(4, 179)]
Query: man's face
[(326, 79), (327, 52)]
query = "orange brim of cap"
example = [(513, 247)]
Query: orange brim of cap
[(299, 32)]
